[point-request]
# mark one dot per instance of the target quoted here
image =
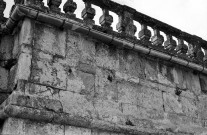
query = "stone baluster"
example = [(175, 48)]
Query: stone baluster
[(18, 1), (170, 43), (54, 5), (191, 52), (157, 39), (205, 56), (125, 24), (181, 48), (195, 51), (88, 13), (2, 8), (69, 8), (144, 34), (106, 20)]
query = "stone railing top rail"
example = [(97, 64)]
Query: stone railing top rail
[(168, 49)]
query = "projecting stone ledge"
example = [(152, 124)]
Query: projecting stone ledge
[(21, 110), (19, 107)]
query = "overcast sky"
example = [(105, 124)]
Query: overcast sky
[(187, 15)]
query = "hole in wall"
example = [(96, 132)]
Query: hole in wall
[(70, 71), (129, 123), (178, 91), (110, 78)]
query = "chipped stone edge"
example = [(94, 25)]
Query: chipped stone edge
[(12, 108)]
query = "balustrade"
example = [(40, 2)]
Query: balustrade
[(194, 51), (2, 8)]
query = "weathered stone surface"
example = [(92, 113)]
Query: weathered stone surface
[(15, 126), (151, 71), (202, 106), (74, 82), (178, 78), (107, 56), (105, 85), (192, 82), (203, 83), (79, 48), (34, 128), (149, 98), (131, 63), (50, 40), (109, 111), (35, 102), (165, 75), (69, 130), (47, 72), (3, 97), (41, 91), (119, 76), (89, 84), (87, 68), (4, 74), (127, 93), (171, 103), (27, 32), (76, 104), (6, 46), (24, 66), (189, 107)]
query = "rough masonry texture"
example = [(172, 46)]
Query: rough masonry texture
[(59, 78)]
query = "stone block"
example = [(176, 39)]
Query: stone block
[(192, 82), (6, 45), (76, 104), (109, 111), (189, 107), (50, 40), (75, 82), (98, 132), (72, 49), (26, 32), (178, 78), (172, 103), (202, 104), (150, 70), (36, 128), (164, 75), (127, 93), (203, 83), (105, 85), (149, 98), (49, 73), (4, 74), (24, 66), (69, 130), (107, 56), (13, 126), (131, 63), (89, 84), (87, 68), (79, 48)]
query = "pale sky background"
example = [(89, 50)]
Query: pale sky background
[(187, 15)]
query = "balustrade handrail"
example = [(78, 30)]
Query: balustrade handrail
[(152, 22)]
